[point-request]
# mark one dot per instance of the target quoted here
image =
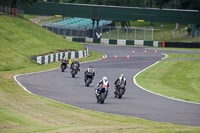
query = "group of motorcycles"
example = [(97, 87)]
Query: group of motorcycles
[(101, 91), (74, 68)]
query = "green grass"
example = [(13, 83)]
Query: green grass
[(177, 56), (183, 49), (27, 16), (176, 79), (27, 41), (26, 113)]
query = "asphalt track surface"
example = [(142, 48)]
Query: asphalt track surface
[(136, 102)]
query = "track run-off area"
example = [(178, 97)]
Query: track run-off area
[(136, 102)]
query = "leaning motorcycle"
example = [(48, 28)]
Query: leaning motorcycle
[(88, 79), (74, 70), (63, 65), (102, 94), (120, 90)]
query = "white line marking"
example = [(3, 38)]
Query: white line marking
[(165, 56), (134, 81)]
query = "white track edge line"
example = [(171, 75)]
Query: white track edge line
[(15, 77), (134, 81)]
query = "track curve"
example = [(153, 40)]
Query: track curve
[(136, 102)]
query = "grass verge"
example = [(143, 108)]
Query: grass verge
[(178, 56), (23, 112), (183, 49), (176, 79)]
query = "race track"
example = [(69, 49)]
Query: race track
[(136, 102)]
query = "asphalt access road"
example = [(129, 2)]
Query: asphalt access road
[(136, 102)]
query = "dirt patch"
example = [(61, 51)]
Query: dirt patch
[(39, 18), (8, 76)]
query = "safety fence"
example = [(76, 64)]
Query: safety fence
[(46, 59), (109, 32), (5, 10), (116, 42)]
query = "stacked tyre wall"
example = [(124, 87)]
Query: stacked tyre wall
[(46, 59)]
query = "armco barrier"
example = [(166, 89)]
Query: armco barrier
[(96, 40), (183, 44), (129, 42), (121, 42), (148, 43), (117, 42), (112, 41), (46, 59), (139, 42)]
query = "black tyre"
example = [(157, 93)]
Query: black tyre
[(88, 81), (63, 68), (121, 92), (102, 97), (73, 73)]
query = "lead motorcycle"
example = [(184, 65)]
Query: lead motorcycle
[(74, 70), (88, 79), (101, 95), (63, 65), (120, 90)]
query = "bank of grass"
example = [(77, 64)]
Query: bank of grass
[(24, 112), (173, 78), (21, 39)]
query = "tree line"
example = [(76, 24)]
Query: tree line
[(171, 4)]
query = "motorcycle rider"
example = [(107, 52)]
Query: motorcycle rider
[(77, 64), (88, 71), (64, 60), (120, 80), (102, 83)]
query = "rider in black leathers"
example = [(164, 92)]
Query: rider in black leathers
[(120, 80), (64, 60), (77, 63)]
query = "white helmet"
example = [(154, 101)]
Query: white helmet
[(104, 78)]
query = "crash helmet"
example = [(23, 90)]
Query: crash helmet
[(122, 75), (76, 59), (104, 78), (91, 66)]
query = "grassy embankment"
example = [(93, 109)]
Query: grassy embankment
[(167, 31), (173, 78), (23, 112)]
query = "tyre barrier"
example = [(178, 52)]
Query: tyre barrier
[(116, 42), (46, 59), (183, 44)]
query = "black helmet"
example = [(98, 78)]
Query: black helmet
[(91, 66)]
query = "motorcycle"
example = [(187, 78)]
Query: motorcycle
[(102, 94), (120, 90), (74, 70), (63, 65), (88, 79)]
